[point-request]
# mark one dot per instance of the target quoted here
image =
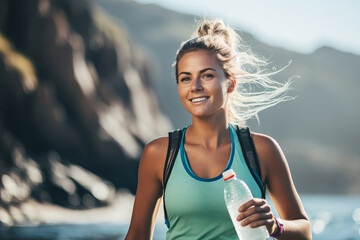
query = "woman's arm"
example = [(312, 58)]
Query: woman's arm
[(149, 190), (282, 192)]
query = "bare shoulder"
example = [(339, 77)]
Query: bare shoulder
[(153, 157), (265, 143), (269, 152), (157, 146)]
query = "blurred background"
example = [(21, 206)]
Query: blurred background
[(84, 85)]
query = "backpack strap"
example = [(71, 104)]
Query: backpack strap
[(251, 158), (173, 149)]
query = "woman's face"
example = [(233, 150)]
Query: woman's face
[(201, 83)]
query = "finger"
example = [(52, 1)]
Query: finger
[(268, 223), (253, 210), (258, 219), (252, 202)]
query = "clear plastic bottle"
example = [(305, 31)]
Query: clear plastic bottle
[(236, 193)]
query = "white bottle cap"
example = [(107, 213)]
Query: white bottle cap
[(228, 174)]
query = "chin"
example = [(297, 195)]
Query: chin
[(201, 114)]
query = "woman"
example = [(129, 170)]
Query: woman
[(212, 72)]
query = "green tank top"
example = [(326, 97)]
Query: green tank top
[(195, 206)]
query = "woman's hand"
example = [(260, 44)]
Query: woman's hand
[(257, 212)]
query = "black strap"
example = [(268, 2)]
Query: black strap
[(251, 158), (173, 149)]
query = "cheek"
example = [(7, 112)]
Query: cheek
[(225, 88), (182, 93), (220, 88)]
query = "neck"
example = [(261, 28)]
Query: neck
[(209, 132)]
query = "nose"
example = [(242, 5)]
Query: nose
[(196, 85)]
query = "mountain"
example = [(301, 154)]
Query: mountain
[(318, 131), (76, 107)]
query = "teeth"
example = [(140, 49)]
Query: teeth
[(198, 99)]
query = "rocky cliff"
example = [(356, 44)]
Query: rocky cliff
[(76, 105)]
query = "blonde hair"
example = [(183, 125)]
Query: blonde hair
[(254, 90)]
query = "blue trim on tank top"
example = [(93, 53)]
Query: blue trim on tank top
[(186, 162)]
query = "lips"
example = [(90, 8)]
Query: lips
[(198, 99)]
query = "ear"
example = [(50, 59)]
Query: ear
[(231, 85)]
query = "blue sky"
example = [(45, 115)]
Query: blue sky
[(301, 26)]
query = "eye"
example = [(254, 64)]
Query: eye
[(185, 79), (208, 76)]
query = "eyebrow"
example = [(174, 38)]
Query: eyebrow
[(201, 71)]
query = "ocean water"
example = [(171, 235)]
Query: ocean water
[(332, 218)]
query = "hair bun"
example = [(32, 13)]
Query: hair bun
[(217, 27)]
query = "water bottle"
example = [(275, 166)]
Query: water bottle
[(236, 193)]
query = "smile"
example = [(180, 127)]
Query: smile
[(199, 99)]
